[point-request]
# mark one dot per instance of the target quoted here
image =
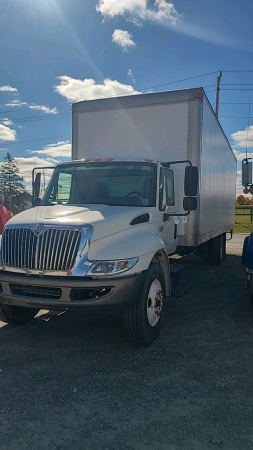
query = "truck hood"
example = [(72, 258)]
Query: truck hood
[(106, 220)]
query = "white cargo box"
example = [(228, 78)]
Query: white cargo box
[(166, 126)]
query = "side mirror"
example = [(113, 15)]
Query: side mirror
[(190, 203), (36, 186), (246, 172), (37, 201), (191, 180)]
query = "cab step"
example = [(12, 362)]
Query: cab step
[(175, 268), (177, 289), (180, 290)]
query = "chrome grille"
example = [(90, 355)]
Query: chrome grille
[(54, 250)]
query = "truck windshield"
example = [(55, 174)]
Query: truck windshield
[(110, 183)]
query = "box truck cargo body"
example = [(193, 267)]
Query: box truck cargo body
[(151, 175), (166, 126)]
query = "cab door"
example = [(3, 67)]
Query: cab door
[(168, 220)]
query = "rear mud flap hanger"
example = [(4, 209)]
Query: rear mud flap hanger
[(191, 180)]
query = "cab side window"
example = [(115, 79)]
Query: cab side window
[(169, 186), (166, 187)]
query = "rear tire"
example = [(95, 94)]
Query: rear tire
[(214, 251), (218, 250), (143, 321), (17, 315)]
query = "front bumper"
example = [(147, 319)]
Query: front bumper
[(66, 293)]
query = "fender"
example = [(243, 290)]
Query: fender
[(128, 244)]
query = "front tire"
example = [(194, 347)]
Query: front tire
[(143, 321), (17, 315)]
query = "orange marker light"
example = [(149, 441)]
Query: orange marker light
[(97, 160), (198, 96), (109, 159), (149, 160)]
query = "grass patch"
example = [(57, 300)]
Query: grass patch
[(243, 222)]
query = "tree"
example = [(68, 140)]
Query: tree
[(11, 184), (240, 200)]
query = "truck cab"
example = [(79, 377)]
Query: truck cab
[(100, 239)]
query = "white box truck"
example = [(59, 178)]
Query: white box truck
[(151, 175)]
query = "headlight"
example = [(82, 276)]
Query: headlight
[(100, 268)]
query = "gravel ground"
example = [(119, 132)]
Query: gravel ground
[(71, 382)]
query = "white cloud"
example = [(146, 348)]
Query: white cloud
[(6, 121), (76, 90), (26, 166), (239, 187), (15, 103), (61, 149), (8, 88), (7, 134), (45, 109), (123, 39), (162, 10), (241, 155), (33, 106), (136, 22), (243, 138), (131, 75)]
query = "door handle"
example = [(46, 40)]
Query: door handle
[(175, 231)]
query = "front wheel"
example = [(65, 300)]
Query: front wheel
[(17, 315), (143, 321)]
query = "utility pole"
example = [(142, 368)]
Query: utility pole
[(10, 190), (218, 95)]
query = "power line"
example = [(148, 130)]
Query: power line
[(238, 117), (57, 116), (234, 103), (237, 89), (54, 116), (237, 84), (238, 71), (127, 92), (35, 140), (26, 109), (35, 118), (178, 81), (143, 89)]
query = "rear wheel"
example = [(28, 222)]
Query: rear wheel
[(218, 249), (143, 321), (214, 251), (17, 315)]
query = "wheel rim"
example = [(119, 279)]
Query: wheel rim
[(155, 303)]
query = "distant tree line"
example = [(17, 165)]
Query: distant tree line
[(12, 187), (242, 200)]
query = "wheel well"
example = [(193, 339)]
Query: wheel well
[(161, 258)]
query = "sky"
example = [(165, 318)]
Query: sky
[(55, 52)]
